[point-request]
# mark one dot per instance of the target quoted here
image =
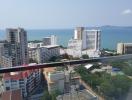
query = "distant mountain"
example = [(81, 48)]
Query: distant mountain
[(110, 26)]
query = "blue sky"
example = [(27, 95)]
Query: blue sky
[(45, 14)]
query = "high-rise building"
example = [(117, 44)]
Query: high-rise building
[(124, 48), (78, 33), (91, 40), (85, 42), (52, 40), (18, 42)]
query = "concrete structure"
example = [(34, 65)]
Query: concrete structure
[(35, 45), (42, 54), (14, 51), (55, 79), (91, 40), (18, 41), (26, 81), (75, 48), (78, 33), (52, 40), (85, 42), (124, 48), (61, 80)]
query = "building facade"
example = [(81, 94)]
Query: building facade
[(85, 42), (42, 54), (26, 81), (18, 41), (124, 48), (75, 48), (78, 33), (55, 79), (52, 40), (14, 49)]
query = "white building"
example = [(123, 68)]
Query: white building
[(46, 52), (75, 48), (124, 48), (42, 54), (85, 42), (78, 33), (52, 40), (27, 81)]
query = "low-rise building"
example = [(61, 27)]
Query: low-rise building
[(27, 81), (42, 54), (55, 79), (124, 48), (74, 48), (61, 80), (52, 40)]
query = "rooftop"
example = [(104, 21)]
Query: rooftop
[(81, 95)]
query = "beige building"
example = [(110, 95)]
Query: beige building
[(55, 79), (124, 48), (61, 80)]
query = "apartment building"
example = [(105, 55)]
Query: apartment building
[(61, 80), (124, 48), (55, 79), (14, 49), (26, 81), (85, 42), (42, 54), (52, 40)]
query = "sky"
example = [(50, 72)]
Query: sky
[(48, 14)]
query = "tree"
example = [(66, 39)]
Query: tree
[(32, 61), (85, 56), (53, 59), (46, 96)]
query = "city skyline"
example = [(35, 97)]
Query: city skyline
[(42, 14)]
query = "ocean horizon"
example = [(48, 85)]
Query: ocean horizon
[(110, 36)]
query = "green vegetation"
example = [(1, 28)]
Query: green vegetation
[(85, 56), (32, 61), (54, 59), (125, 66), (50, 96), (111, 87), (35, 41)]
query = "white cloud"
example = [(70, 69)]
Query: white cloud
[(127, 12)]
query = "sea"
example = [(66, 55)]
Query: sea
[(110, 35)]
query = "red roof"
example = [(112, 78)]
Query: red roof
[(18, 75)]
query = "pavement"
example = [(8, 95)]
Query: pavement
[(90, 89)]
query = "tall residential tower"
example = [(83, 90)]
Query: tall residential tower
[(85, 42), (15, 51)]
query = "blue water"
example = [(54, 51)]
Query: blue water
[(110, 36)]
